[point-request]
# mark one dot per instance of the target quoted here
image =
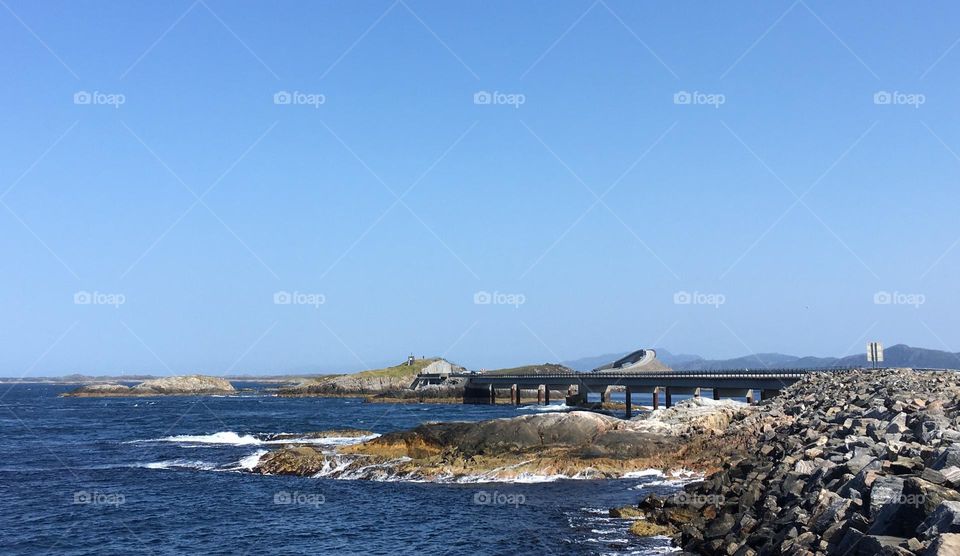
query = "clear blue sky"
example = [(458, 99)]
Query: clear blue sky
[(597, 202)]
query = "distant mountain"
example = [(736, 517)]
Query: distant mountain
[(899, 355)]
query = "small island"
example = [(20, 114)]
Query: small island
[(190, 385)]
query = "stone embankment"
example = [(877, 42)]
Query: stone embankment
[(851, 463)]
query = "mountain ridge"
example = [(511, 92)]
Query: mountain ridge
[(899, 355)]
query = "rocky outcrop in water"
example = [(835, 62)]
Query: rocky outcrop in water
[(576, 444), (192, 385), (852, 463)]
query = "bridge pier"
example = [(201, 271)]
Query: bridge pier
[(667, 397), (629, 397), (656, 398), (493, 395), (750, 397), (578, 398), (603, 396), (546, 394), (716, 394), (514, 394)]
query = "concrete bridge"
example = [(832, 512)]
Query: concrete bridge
[(744, 383)]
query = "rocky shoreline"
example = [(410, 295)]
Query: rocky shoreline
[(852, 463)]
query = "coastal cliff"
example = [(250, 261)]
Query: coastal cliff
[(191, 385)]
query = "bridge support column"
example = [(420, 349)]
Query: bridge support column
[(667, 397), (656, 398), (767, 394), (750, 397), (696, 392), (514, 394), (603, 396), (716, 393), (493, 395), (539, 394), (546, 394), (579, 398), (629, 397)]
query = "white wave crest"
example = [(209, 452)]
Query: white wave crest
[(552, 407), (224, 437), (247, 463), (179, 463), (643, 473), (235, 439)]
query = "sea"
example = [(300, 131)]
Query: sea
[(171, 475)]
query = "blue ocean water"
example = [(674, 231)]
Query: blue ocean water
[(167, 475)]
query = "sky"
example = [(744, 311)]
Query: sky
[(259, 187)]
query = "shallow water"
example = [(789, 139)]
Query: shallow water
[(168, 476)]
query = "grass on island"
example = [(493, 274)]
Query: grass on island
[(544, 369), (397, 371)]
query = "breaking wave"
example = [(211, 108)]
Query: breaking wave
[(234, 439)]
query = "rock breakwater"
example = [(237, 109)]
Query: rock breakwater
[(849, 463)]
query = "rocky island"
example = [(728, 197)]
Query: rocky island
[(578, 444), (390, 384), (191, 385)]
